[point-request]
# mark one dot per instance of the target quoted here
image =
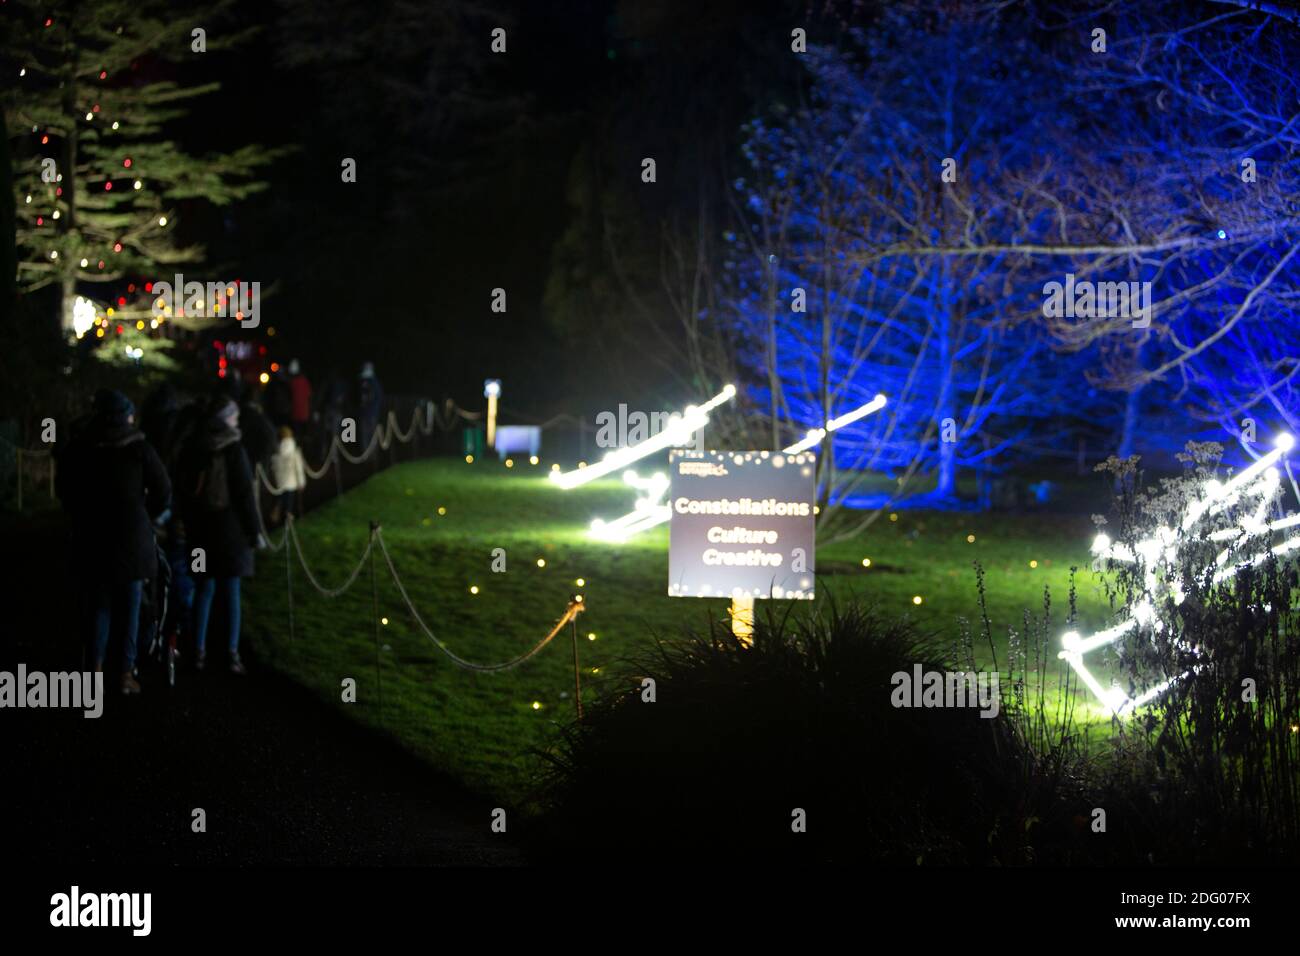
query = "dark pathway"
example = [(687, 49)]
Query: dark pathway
[(282, 778)]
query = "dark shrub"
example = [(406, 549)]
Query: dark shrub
[(737, 739)]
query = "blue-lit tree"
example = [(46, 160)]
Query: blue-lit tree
[(1192, 184), (842, 285)]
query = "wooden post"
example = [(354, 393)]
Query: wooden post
[(577, 676), (374, 610), (742, 620)]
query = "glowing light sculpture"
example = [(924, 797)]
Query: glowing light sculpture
[(815, 435), (648, 512), (1159, 553), (677, 433)]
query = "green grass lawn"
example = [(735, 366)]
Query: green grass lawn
[(442, 519)]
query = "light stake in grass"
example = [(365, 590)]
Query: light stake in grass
[(1159, 553)]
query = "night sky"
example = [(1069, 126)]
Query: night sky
[(399, 267)]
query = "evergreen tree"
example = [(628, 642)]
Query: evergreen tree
[(93, 102)]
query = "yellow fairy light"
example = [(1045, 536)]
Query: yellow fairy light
[(916, 599), (469, 459), (581, 582), (441, 510), (866, 562), (537, 705), (473, 589), (970, 539), (264, 378), (533, 459), (139, 324), (578, 598), (555, 467), (162, 220), (893, 517), (582, 464), (510, 463), (591, 636), (383, 621), (1033, 564), (541, 562)]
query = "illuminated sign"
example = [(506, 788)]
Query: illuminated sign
[(741, 524)]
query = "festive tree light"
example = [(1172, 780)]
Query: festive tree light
[(1157, 556), (83, 315)]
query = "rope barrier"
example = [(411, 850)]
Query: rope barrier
[(571, 612), (376, 536), (324, 591)]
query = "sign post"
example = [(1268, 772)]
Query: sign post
[(492, 391), (742, 527)]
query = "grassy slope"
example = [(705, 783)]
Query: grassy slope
[(484, 728)]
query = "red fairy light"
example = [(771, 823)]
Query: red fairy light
[(45, 139), (127, 162), (103, 74), (119, 330), (108, 186), (58, 190), (117, 247), (121, 300), (148, 287), (40, 220), (130, 287)]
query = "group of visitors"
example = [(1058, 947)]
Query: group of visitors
[(177, 486)]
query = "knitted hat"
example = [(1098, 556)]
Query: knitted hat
[(112, 406)]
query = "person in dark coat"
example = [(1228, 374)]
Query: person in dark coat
[(370, 403), (277, 400), (113, 486), (158, 416), (220, 516)]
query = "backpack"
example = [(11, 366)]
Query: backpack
[(213, 488)]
